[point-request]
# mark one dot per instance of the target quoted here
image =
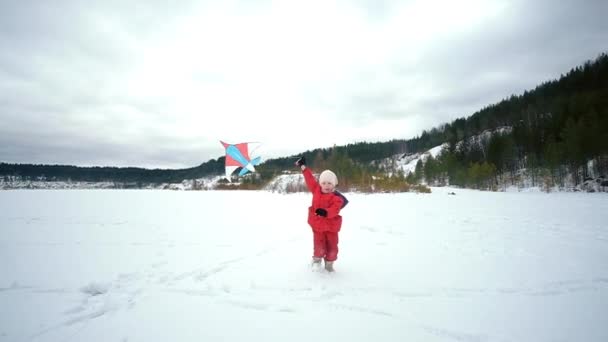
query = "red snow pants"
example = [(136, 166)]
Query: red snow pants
[(325, 245)]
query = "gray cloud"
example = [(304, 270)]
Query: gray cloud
[(65, 96), (529, 44)]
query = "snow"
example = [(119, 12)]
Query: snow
[(435, 151), (287, 182), (16, 182), (151, 265), (407, 163), (482, 139)]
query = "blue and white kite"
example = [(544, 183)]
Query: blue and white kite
[(237, 155)]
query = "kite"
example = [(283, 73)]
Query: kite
[(237, 155)]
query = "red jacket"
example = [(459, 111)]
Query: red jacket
[(332, 202)]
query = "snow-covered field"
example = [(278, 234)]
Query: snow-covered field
[(137, 265)]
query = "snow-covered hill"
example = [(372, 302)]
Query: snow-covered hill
[(288, 182), (482, 140), (406, 163)]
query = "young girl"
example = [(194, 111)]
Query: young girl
[(324, 215)]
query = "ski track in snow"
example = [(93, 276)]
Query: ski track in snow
[(231, 279)]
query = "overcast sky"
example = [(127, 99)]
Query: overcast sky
[(158, 83)]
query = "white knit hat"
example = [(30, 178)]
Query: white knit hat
[(328, 176)]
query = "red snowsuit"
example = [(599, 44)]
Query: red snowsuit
[(325, 229)]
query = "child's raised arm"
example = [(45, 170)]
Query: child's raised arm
[(310, 180)]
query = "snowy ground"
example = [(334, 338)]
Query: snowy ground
[(111, 265)]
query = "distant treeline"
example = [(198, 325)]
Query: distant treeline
[(131, 175), (555, 130)]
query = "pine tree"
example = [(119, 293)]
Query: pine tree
[(419, 170), (572, 136)]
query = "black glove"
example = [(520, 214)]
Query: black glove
[(301, 161), (321, 212)]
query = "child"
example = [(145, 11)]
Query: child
[(324, 215)]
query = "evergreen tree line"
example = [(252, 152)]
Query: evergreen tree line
[(559, 129), (136, 177)]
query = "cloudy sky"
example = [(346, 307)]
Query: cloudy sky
[(158, 83)]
